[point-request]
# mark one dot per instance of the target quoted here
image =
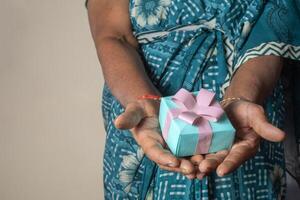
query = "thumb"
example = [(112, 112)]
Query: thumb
[(261, 126), (132, 116)]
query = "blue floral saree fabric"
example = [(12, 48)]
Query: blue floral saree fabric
[(200, 44)]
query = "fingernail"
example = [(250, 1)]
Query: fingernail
[(183, 170), (220, 173)]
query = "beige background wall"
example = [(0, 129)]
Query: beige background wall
[(51, 133)]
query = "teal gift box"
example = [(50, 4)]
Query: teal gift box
[(194, 123)]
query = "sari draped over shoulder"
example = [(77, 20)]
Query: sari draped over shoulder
[(200, 44)]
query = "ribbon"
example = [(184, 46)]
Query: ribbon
[(196, 111)]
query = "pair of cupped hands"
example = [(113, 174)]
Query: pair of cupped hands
[(249, 120)]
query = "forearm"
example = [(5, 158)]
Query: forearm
[(123, 70), (116, 47), (256, 79)]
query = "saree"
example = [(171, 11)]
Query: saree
[(195, 44)]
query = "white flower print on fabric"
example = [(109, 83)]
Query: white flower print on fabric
[(278, 180), (129, 166), (150, 12)]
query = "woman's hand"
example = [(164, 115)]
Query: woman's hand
[(141, 118), (254, 80), (251, 125)]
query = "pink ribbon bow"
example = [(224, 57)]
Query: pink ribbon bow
[(197, 111)]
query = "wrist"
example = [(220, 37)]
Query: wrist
[(129, 95), (231, 100), (153, 97), (150, 103), (235, 93)]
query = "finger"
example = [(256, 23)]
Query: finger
[(211, 161), (178, 170), (237, 155), (155, 151), (133, 114), (186, 167), (173, 169), (262, 127)]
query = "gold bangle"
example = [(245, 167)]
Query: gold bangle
[(229, 100)]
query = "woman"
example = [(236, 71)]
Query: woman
[(156, 47)]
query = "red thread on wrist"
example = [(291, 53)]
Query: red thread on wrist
[(149, 96)]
